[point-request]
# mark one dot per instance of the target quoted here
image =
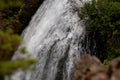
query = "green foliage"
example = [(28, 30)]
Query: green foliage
[(9, 3), (7, 67), (10, 14), (10, 7), (103, 19), (103, 15), (9, 43), (17, 13), (10, 11), (13, 23)]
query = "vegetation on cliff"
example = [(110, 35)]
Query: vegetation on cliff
[(103, 22), (9, 11), (11, 17)]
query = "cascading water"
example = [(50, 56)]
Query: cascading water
[(55, 37)]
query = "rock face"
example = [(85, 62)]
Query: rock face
[(114, 69), (90, 68)]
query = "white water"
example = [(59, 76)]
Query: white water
[(54, 37)]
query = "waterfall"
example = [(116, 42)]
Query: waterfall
[(55, 37)]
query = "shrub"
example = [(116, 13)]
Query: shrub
[(103, 19)]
